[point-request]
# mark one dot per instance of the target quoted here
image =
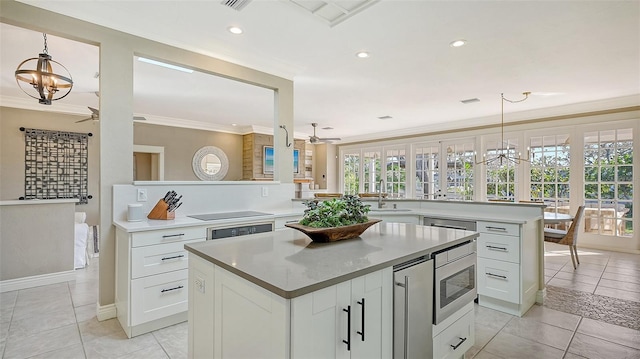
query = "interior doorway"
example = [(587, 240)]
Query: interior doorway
[(148, 163)]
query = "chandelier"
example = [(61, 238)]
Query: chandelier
[(48, 85), (503, 153)]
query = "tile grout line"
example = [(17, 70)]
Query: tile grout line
[(572, 336)]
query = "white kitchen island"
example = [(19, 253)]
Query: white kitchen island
[(280, 295)]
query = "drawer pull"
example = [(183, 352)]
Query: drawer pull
[(496, 229), (172, 257), (497, 275), (173, 235), (170, 289), (462, 340), (348, 341), (362, 324), (497, 248)]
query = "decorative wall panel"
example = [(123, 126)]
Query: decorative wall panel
[(56, 165)]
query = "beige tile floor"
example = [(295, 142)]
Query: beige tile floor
[(58, 321)]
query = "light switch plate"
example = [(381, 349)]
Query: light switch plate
[(265, 191), (142, 194)]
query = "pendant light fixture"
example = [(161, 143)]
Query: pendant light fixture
[(49, 86), (503, 153)]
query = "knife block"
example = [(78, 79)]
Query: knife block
[(160, 211)]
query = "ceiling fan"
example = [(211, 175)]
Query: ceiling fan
[(95, 116), (316, 139)]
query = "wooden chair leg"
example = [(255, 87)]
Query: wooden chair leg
[(573, 259), (575, 250)]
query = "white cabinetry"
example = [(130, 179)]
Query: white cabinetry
[(453, 337), (151, 277), (352, 319), (507, 266), (232, 317)]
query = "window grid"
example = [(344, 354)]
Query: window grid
[(396, 173), (549, 171), (460, 163), (371, 171), (351, 173), (608, 182), (501, 174), (427, 160)]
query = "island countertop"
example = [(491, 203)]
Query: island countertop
[(289, 264)]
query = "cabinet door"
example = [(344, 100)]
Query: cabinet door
[(319, 323), (498, 279), (372, 317), (249, 321)]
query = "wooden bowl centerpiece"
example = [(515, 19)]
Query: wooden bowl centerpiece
[(334, 220)]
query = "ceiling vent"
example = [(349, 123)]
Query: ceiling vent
[(236, 4), (385, 117), (332, 12), (470, 100)]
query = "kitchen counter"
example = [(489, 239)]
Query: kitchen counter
[(289, 264), (184, 221)]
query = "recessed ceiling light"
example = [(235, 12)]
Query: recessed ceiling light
[(234, 124), (235, 30), (362, 54), (458, 43)]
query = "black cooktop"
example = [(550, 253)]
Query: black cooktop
[(227, 215)]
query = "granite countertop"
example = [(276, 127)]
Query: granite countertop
[(289, 264)]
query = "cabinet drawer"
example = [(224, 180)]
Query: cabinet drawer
[(454, 341), (161, 258), (499, 279), (147, 238), (496, 246), (159, 296), (509, 229)]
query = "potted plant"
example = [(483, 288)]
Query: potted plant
[(335, 219)]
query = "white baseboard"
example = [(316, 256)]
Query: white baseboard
[(104, 312), (36, 281)]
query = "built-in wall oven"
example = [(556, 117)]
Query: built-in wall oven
[(454, 279)]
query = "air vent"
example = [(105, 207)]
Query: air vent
[(385, 117), (470, 100), (327, 128), (236, 4)]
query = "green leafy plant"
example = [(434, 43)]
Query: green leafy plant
[(336, 212)]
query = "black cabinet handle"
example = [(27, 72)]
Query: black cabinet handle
[(173, 235), (497, 275), (362, 332), (348, 341), (497, 248), (462, 340), (173, 257), (170, 289)]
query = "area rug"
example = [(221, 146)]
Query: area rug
[(625, 313)]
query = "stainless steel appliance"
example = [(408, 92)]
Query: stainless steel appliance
[(217, 233), (413, 309), (455, 279)]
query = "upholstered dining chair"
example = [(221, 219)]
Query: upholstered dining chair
[(568, 237)]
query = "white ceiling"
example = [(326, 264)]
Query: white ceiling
[(585, 50)]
